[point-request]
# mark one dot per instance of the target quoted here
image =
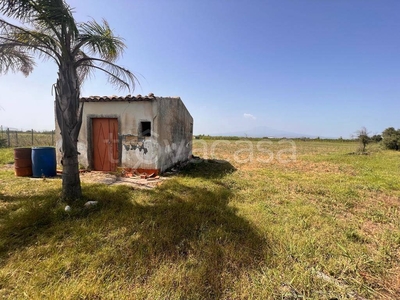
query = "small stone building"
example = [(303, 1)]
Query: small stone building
[(145, 133)]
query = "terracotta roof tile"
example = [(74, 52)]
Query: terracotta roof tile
[(118, 98)]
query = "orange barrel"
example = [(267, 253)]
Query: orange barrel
[(23, 161)]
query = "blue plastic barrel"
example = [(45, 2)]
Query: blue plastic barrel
[(44, 162)]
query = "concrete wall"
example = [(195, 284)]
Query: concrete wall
[(135, 151), (169, 143), (175, 132)]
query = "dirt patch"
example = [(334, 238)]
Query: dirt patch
[(7, 166), (98, 177), (109, 179), (140, 182)]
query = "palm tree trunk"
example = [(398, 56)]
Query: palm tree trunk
[(71, 184), (69, 118)]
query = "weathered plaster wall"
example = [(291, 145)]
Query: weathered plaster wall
[(135, 151), (170, 141), (175, 132)]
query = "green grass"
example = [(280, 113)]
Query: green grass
[(323, 226), (6, 156), (25, 139)]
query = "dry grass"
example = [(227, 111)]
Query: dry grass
[(323, 224), (27, 139)]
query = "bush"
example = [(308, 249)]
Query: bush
[(391, 138), (3, 143), (363, 138), (376, 138)]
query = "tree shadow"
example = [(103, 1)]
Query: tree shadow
[(177, 224), (208, 168), (25, 218), (193, 226)]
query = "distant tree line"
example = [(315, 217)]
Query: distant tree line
[(304, 139), (390, 138)]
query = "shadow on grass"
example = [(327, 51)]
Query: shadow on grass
[(191, 231), (25, 217), (188, 226), (208, 168)]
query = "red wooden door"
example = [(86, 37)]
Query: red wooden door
[(105, 144)]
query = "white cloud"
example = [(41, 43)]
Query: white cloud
[(249, 116)]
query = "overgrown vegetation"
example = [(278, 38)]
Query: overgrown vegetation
[(391, 138), (323, 226)]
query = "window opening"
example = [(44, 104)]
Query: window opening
[(145, 128)]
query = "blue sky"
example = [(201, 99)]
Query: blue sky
[(318, 67)]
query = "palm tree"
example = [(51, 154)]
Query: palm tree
[(49, 31)]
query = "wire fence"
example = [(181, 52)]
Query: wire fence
[(12, 137)]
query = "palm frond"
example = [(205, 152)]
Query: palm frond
[(118, 76), (33, 41), (100, 40), (19, 9), (55, 15), (55, 34), (15, 60), (84, 71)]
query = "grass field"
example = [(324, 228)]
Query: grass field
[(309, 220), (26, 139)]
